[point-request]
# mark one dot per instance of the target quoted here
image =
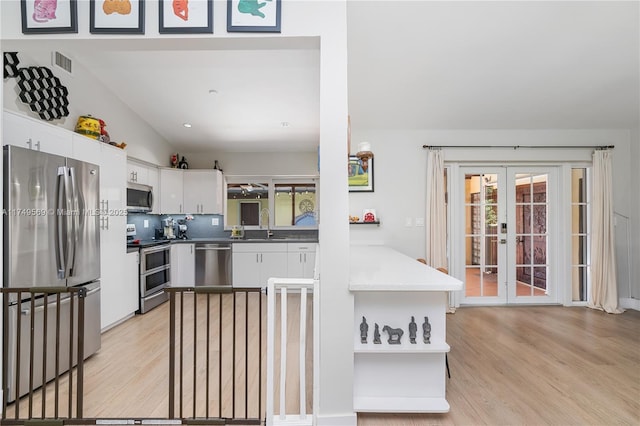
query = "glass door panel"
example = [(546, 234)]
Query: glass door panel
[(483, 199), (528, 277)]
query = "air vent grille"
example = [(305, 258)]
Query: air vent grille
[(63, 62)]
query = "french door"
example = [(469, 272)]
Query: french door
[(509, 235)]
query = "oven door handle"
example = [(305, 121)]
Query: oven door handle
[(155, 249), (154, 270)]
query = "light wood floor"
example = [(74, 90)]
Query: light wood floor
[(537, 366), (509, 366)]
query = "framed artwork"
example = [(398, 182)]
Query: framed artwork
[(49, 16), (253, 16), (182, 16), (360, 177), (116, 16)]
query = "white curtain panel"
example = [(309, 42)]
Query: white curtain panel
[(436, 214), (604, 290)]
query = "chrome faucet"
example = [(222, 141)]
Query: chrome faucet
[(266, 210)]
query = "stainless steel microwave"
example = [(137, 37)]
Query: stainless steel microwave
[(139, 197)]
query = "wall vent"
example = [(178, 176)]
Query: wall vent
[(61, 61)]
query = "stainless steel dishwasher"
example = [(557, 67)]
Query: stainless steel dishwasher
[(213, 264)]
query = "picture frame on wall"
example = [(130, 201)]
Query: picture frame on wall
[(253, 16), (192, 17), (49, 16), (116, 17), (360, 180)]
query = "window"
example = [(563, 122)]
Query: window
[(580, 207), (295, 204), (245, 201), (291, 202)]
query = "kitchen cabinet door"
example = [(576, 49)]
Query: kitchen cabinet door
[(254, 264), (301, 260), (137, 173), (183, 265), (171, 191), (119, 300), (203, 191), (86, 149), (246, 269), (27, 132), (273, 265)]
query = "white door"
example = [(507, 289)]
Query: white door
[(509, 234)]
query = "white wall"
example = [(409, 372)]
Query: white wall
[(88, 97), (400, 175), (256, 163)]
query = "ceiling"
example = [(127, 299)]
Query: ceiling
[(412, 65)]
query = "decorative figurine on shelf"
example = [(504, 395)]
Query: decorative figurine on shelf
[(183, 163), (394, 334), (413, 328), (364, 329), (376, 335), (426, 330), (174, 160)]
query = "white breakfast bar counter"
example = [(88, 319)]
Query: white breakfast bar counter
[(389, 288)]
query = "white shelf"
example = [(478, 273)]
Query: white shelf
[(405, 347), (400, 405)]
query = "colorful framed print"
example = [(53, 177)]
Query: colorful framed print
[(253, 16), (360, 175), (116, 16), (49, 16), (185, 16)]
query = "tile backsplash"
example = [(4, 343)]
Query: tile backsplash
[(201, 226)]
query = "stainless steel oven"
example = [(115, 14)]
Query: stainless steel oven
[(155, 273)]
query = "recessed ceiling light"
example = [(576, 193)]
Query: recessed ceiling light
[(187, 125)]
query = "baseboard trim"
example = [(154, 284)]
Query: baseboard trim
[(343, 420), (629, 303)]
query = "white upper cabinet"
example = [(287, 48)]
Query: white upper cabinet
[(203, 191), (20, 130), (171, 192), (137, 173)]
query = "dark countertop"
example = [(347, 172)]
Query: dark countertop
[(150, 243), (247, 240)]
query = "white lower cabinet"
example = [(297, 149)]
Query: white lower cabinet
[(255, 263), (301, 260), (183, 265)]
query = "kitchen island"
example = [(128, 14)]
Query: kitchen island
[(405, 374)]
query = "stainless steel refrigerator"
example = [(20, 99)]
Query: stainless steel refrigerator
[(51, 239)]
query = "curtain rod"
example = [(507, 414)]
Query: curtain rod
[(596, 147)]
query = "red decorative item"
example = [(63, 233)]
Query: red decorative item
[(369, 217)]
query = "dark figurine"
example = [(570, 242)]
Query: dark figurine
[(376, 334), (394, 334), (413, 328), (426, 330), (364, 329)]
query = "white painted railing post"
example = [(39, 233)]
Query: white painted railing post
[(286, 286)]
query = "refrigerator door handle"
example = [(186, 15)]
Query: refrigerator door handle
[(60, 222), (74, 211)]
